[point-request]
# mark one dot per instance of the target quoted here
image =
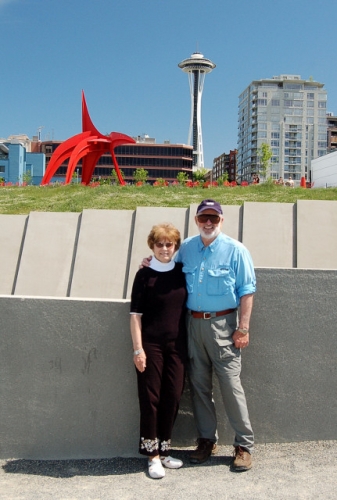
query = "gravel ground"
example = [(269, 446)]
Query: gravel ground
[(281, 471)]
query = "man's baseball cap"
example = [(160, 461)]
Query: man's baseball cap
[(207, 204)]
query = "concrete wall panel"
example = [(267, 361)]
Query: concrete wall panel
[(68, 385), (289, 369), (102, 254), (12, 233), (67, 379), (66, 253), (146, 217), (268, 233), (317, 234), (47, 254)]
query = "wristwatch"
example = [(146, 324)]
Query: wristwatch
[(139, 351), (244, 331)]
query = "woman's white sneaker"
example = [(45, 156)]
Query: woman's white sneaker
[(171, 463), (156, 470)]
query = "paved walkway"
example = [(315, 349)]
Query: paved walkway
[(281, 471)]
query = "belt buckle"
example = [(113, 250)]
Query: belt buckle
[(207, 315)]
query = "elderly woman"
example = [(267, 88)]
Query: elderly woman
[(158, 333)]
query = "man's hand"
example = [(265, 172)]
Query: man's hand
[(145, 262), (241, 340)]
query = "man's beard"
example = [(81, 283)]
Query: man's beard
[(210, 236)]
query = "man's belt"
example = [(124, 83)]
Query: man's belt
[(209, 315)]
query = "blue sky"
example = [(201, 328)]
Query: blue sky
[(124, 55)]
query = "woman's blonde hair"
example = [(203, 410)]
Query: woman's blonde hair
[(164, 231)]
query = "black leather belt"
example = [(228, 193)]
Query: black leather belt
[(209, 315)]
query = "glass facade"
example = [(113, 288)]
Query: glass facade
[(160, 160)]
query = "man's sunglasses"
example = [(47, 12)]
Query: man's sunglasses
[(162, 245), (215, 219)]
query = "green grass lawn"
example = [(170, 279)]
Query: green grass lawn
[(74, 198)]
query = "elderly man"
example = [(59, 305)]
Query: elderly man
[(220, 279)]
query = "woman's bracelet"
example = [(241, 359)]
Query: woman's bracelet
[(139, 351)]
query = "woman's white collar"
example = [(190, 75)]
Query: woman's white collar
[(161, 266)]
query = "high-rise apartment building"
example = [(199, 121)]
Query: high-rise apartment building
[(225, 164), (289, 114), (332, 133)]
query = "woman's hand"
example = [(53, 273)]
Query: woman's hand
[(140, 361)]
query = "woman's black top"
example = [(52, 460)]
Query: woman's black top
[(161, 298)]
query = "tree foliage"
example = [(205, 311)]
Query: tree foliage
[(140, 175), (182, 177), (264, 153), (200, 174), (114, 176), (223, 178)]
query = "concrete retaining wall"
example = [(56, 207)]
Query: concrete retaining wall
[(97, 253), (67, 381), (68, 387)]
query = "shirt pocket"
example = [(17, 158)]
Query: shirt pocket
[(190, 277), (220, 281)]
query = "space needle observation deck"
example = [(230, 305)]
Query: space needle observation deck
[(196, 66)]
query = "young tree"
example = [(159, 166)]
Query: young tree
[(27, 177), (182, 177), (223, 178), (114, 176), (140, 175), (264, 153), (200, 174)]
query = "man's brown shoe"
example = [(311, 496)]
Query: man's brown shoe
[(203, 452), (242, 460)]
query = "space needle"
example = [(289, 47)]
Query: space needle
[(196, 67)]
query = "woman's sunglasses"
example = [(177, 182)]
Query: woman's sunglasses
[(162, 245), (215, 219)]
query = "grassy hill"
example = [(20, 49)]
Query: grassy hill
[(75, 198)]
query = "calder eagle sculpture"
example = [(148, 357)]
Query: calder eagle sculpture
[(88, 146)]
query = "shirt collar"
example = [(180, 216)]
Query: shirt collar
[(162, 267), (212, 245)]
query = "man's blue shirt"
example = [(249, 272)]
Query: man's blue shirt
[(218, 275)]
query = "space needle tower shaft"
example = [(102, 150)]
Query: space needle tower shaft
[(197, 66)]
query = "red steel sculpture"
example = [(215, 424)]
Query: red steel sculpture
[(89, 146)]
